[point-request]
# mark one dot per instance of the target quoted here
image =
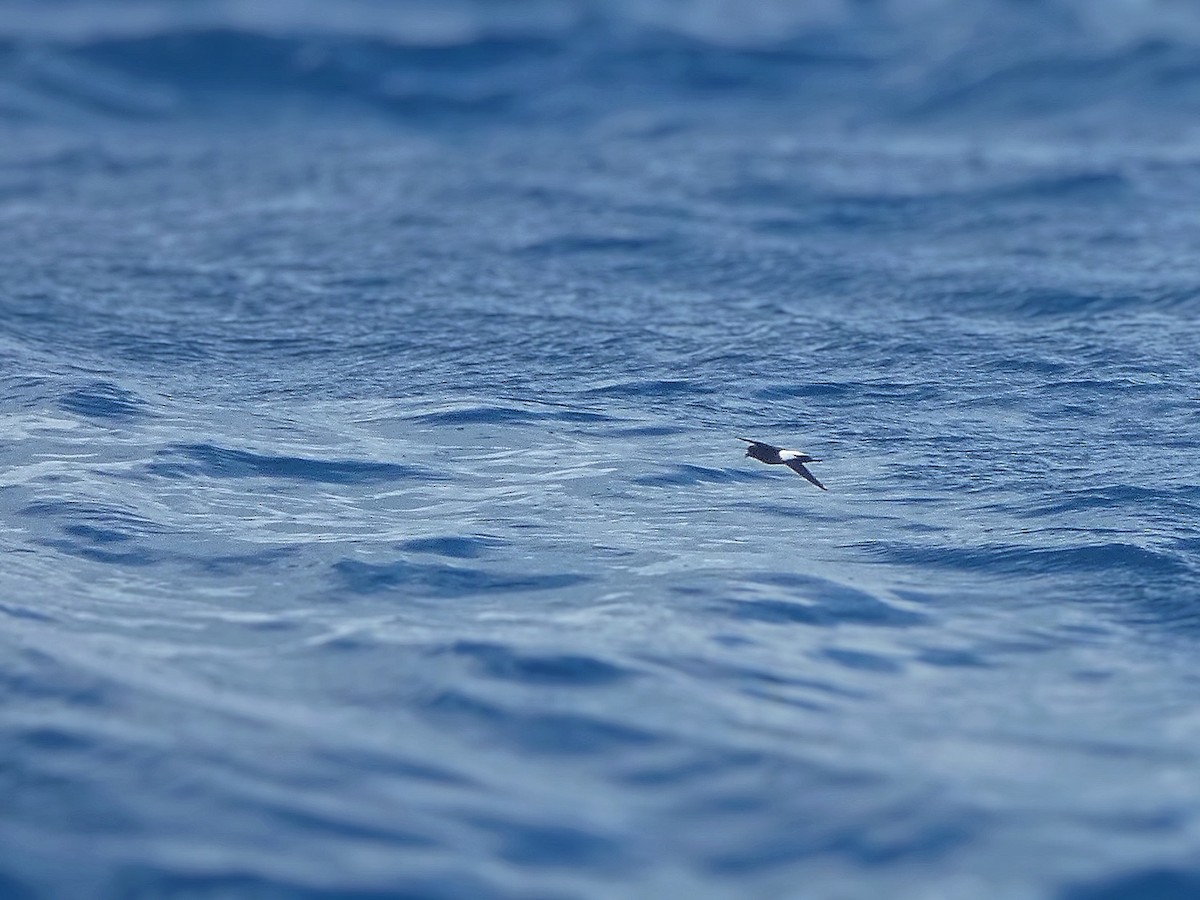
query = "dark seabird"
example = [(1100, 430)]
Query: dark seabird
[(777, 456)]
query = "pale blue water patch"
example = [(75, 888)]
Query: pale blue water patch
[(374, 517)]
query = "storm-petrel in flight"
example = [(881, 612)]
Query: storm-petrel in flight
[(777, 456)]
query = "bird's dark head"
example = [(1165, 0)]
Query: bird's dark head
[(761, 452)]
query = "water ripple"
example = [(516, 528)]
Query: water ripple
[(104, 401), (189, 460), (429, 579)]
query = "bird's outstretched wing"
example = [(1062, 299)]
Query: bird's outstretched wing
[(760, 444), (798, 467)]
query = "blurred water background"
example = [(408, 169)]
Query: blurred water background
[(373, 518)]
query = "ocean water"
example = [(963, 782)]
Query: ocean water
[(373, 515)]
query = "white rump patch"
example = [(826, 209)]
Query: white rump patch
[(785, 455)]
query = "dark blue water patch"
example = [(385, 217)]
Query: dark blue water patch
[(743, 676), (647, 431), (104, 401), (881, 216), (686, 474), (784, 698), (863, 393), (114, 548), (107, 534), (1028, 299), (1160, 604), (1181, 500), (97, 532), (863, 661), (786, 612), (480, 415), (13, 889), (452, 546), (1147, 884), (1029, 365), (434, 103), (1155, 72), (572, 245), (542, 733), (894, 835), (1112, 497), (148, 882), (232, 58), (37, 676), (581, 417), (66, 80), (1112, 557), (419, 82), (817, 811), (89, 158), (651, 388), (95, 535), (190, 460), (282, 818), (230, 565), (770, 192), (820, 602), (425, 579), (1065, 302), (481, 76), (816, 389), (25, 392), (554, 846), (558, 670), (1188, 548), (132, 556), (699, 773), (951, 658), (28, 613), (934, 211), (1099, 388), (92, 522), (692, 765), (694, 63), (1070, 185), (504, 71), (797, 495), (358, 760), (47, 739), (51, 789), (1158, 823), (854, 62)]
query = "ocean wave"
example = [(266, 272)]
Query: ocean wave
[(685, 475), (430, 579), (189, 460), (884, 63), (540, 733), (785, 598), (1092, 558), (503, 663), (1160, 883), (104, 401)]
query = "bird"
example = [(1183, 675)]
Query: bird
[(777, 456)]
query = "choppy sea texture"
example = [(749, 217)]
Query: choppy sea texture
[(373, 517)]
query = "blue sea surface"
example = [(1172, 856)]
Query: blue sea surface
[(373, 515)]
